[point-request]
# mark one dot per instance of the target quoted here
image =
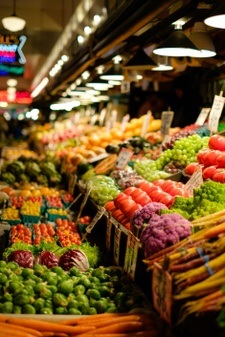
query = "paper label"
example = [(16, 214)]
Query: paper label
[(167, 118), (96, 218), (108, 234), (72, 183), (202, 116), (124, 122), (162, 292), (215, 113), (166, 139), (123, 158), (145, 124), (102, 117), (125, 87), (116, 248), (131, 255), (195, 181)]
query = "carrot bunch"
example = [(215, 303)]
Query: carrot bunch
[(107, 325)]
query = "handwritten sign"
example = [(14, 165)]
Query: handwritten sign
[(215, 113), (124, 122), (125, 87), (116, 248), (102, 117), (131, 255), (202, 116), (195, 181), (145, 124), (108, 234), (167, 118), (123, 158), (162, 292)]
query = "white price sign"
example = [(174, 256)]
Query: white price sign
[(123, 158), (146, 123), (195, 181), (124, 122), (167, 118), (202, 116), (125, 87), (215, 113)]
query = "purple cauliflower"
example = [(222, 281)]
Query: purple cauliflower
[(144, 214), (162, 231)]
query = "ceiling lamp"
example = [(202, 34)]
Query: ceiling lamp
[(114, 73), (13, 23), (177, 44), (216, 21), (200, 37), (163, 64), (140, 61), (99, 84), (11, 82)]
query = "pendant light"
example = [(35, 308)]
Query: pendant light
[(216, 21), (163, 64), (13, 23), (114, 73), (140, 61), (200, 37), (177, 44)]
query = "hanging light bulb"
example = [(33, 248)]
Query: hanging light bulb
[(13, 23), (200, 37)]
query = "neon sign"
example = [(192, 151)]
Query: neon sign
[(12, 70), (21, 97), (11, 49)]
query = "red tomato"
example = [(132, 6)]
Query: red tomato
[(220, 160), (130, 210), (201, 155), (136, 193), (143, 199), (175, 191), (192, 167), (127, 226), (147, 186), (129, 190), (110, 206), (159, 182), (157, 195), (167, 200), (209, 171), (117, 213), (121, 196), (219, 175), (217, 142)]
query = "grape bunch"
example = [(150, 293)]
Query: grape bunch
[(184, 151), (148, 170), (174, 138)]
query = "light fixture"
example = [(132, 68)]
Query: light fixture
[(200, 37), (99, 84), (140, 61), (114, 73), (216, 21), (13, 23), (177, 44), (163, 64), (40, 87), (11, 82)]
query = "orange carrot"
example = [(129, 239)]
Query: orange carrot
[(48, 326), (121, 327), (54, 334), (109, 321), (21, 328), (3, 318), (10, 330), (88, 319), (215, 231), (147, 333)]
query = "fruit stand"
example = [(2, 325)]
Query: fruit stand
[(116, 225)]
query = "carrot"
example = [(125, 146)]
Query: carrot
[(216, 263), (48, 326), (112, 320), (21, 328), (121, 327), (212, 216), (3, 318), (92, 318), (54, 334), (191, 264), (215, 231), (8, 329), (147, 333)]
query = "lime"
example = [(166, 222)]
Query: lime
[(28, 309)]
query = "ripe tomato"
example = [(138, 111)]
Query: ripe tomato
[(129, 190), (219, 175), (192, 167), (110, 206), (220, 160), (208, 172), (217, 142), (121, 196), (129, 211)]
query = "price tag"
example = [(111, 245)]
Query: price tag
[(76, 118), (108, 234), (96, 218), (94, 119), (162, 292), (166, 117), (125, 87), (123, 158), (195, 181), (72, 183), (116, 248), (102, 116), (202, 116), (124, 122), (131, 255), (166, 139), (84, 201), (215, 113), (145, 124)]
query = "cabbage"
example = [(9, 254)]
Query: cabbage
[(46, 258), (24, 258), (74, 258)]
